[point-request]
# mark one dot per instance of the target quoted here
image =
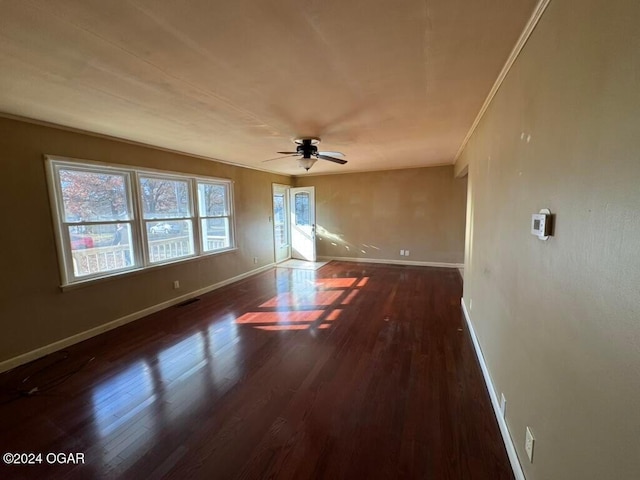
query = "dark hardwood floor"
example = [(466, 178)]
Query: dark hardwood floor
[(354, 371)]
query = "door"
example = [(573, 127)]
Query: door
[(303, 223), (281, 222)]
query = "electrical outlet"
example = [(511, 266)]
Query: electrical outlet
[(528, 444), (503, 405), (406, 253), (402, 253), (176, 284), (255, 259)]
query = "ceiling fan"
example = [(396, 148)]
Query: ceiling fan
[(308, 154)]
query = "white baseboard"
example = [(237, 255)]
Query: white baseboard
[(393, 262), (79, 337), (504, 430)]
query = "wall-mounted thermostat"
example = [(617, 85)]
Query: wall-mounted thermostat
[(541, 224)]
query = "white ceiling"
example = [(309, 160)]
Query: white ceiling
[(391, 83)]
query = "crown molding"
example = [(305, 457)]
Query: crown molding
[(104, 136), (522, 41)]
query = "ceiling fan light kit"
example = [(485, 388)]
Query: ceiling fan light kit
[(308, 154), (307, 163)]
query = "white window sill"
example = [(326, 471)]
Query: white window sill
[(140, 270)]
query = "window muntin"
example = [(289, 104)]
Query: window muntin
[(106, 227), (214, 208)]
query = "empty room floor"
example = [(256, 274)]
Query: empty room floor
[(350, 371)]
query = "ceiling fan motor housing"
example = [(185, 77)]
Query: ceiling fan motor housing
[(307, 149), (308, 154)]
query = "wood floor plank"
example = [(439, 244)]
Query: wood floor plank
[(349, 371)]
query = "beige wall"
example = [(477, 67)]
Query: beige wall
[(559, 321), (376, 214), (33, 310)]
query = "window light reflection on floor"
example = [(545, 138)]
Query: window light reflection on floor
[(302, 299), (338, 282), (300, 316), (181, 360), (311, 304), (332, 316), (122, 397)]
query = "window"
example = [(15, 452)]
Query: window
[(302, 208), (167, 216), (215, 215), (96, 220), (279, 219), (111, 220)]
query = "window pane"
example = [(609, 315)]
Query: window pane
[(302, 208), (212, 200), (163, 198), (169, 240), (279, 219), (216, 234), (100, 248), (168, 228), (93, 196)]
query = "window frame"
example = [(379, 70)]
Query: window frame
[(141, 259), (228, 185), (139, 174)]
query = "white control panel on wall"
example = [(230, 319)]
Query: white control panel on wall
[(541, 224)]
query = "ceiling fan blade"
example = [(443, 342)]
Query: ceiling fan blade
[(278, 158), (288, 153), (331, 159), (332, 154)]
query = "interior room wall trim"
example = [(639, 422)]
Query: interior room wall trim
[(392, 262), (504, 429), (79, 337), (522, 41)]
